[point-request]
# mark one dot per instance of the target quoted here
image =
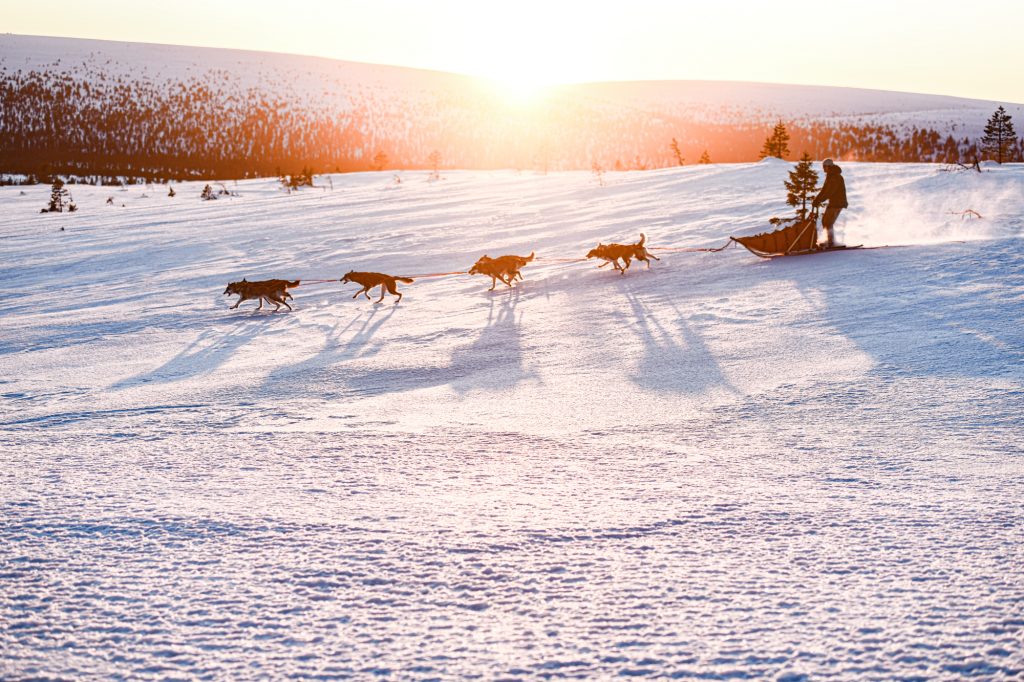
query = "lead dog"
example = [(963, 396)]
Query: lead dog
[(369, 280), (505, 268), (611, 253), (272, 291)]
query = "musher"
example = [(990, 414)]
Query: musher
[(834, 192)]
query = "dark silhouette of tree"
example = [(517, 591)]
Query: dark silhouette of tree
[(171, 192), (676, 152), (59, 198), (380, 160), (704, 158), (776, 144), (999, 139), (802, 183), (208, 194)]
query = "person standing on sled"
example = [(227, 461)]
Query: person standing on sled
[(834, 192)]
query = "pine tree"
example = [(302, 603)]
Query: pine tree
[(380, 160), (776, 144), (676, 151), (999, 138), (704, 158), (803, 181), (57, 194), (208, 194)]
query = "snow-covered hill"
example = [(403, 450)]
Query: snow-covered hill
[(91, 108), (717, 467)]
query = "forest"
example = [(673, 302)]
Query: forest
[(99, 128)]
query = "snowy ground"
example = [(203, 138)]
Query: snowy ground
[(719, 467)]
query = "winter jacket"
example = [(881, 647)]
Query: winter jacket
[(834, 189)]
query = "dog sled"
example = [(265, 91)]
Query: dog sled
[(798, 239)]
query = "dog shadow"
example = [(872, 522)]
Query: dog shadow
[(492, 362), (204, 355), (676, 358), (340, 344)]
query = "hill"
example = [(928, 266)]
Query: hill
[(96, 109)]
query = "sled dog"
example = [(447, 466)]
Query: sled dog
[(611, 253), (272, 291), (369, 280), (505, 268)]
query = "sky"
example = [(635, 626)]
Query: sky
[(965, 49)]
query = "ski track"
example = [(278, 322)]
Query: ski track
[(719, 467)]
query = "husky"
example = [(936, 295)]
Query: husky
[(611, 253), (272, 291), (505, 268), (369, 280)]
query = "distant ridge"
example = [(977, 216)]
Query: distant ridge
[(100, 108)]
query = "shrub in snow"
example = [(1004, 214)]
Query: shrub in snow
[(435, 165), (303, 179), (208, 194), (60, 199)]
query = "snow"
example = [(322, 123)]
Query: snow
[(330, 84), (718, 467)]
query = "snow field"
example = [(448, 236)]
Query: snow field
[(718, 467)]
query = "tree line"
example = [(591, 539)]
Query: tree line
[(106, 129)]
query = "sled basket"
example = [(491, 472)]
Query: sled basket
[(799, 237)]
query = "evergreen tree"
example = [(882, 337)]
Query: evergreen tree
[(57, 194), (208, 194), (704, 158), (802, 183), (999, 138), (380, 160), (676, 152), (776, 144)]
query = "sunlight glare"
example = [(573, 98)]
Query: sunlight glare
[(519, 91)]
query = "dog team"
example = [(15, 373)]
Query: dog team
[(504, 269)]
